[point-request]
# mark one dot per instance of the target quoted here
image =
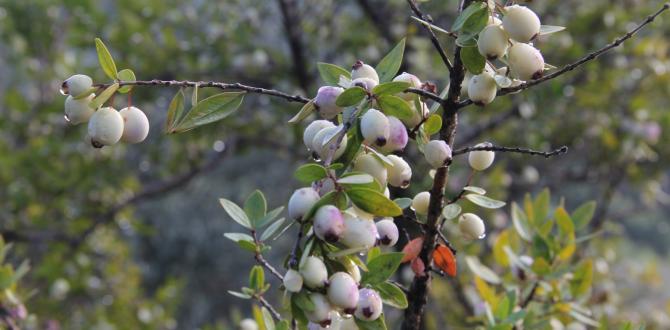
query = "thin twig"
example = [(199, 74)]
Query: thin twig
[(262, 261), (591, 56), (433, 38), (270, 308), (426, 94), (545, 154)]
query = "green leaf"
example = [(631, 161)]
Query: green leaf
[(540, 248), (304, 112), (374, 253), (351, 96), (255, 207), (521, 223), (484, 201), (431, 26), (99, 100), (361, 178), (466, 13), (474, 189), (309, 173), (451, 211), (403, 202), (354, 141), (548, 29), (335, 197), (302, 300), (269, 217), (272, 229), (473, 61), (211, 109), (541, 206), (256, 278), (239, 294), (249, 246), (466, 41), (175, 111), (392, 295), (283, 325), (482, 271), (583, 214), (330, 73), (392, 105), (382, 267), (106, 60), (356, 179), (582, 279), (391, 87), (6, 277), (388, 67), (378, 324), (268, 320), (476, 21), (235, 237), (373, 202), (235, 212), (541, 267), (432, 124), (126, 75)]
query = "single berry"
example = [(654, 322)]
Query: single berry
[(481, 159), (77, 85), (525, 61), (326, 140), (358, 233), (388, 232), (105, 127), (492, 42), (325, 101), (362, 70), (398, 137), (400, 174), (343, 292), (375, 128), (135, 125), (521, 23), (78, 111), (369, 305), (413, 81), (301, 202), (471, 226), (420, 203), (321, 314), (437, 152), (482, 88), (314, 273), (368, 163), (328, 223), (312, 129)]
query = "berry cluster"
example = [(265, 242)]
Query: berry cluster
[(106, 125)]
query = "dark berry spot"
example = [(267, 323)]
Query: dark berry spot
[(386, 240), (381, 141), (331, 237), (367, 312), (491, 57), (538, 74), (325, 323), (479, 103), (357, 65), (64, 88), (349, 310), (97, 144)]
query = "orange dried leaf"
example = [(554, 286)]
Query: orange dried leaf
[(412, 249), (445, 260)]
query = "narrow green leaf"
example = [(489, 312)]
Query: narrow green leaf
[(403, 202), (304, 112), (255, 207), (482, 271), (239, 294), (211, 109), (330, 73), (473, 61), (382, 267), (99, 100), (272, 229), (433, 124), (246, 245), (476, 22), (391, 87), (256, 278), (373, 202), (548, 29), (283, 325), (309, 173), (269, 217), (354, 141), (451, 211), (374, 253), (521, 223), (392, 105), (466, 13), (302, 300), (194, 95), (378, 324), (540, 248), (106, 60), (236, 237), (474, 189), (388, 67), (541, 206), (175, 111), (351, 96), (268, 320), (583, 214), (126, 75), (484, 201), (431, 26), (235, 212), (392, 295), (357, 179)]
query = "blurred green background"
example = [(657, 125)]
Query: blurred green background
[(130, 236)]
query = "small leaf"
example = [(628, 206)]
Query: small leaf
[(362, 178), (268, 321), (378, 324), (211, 109), (256, 278), (374, 253), (388, 67), (309, 173), (392, 105), (583, 214), (403, 202), (255, 207), (272, 229), (466, 13), (351, 96), (175, 111), (330, 73), (582, 279), (431, 26), (484, 201), (126, 75), (412, 249), (476, 190), (371, 184), (354, 142), (444, 259), (246, 245), (466, 41), (521, 223), (382, 267), (373, 202), (239, 294), (391, 87), (235, 212), (304, 112), (548, 29), (392, 295), (235, 237), (106, 60), (432, 124), (302, 300), (269, 217), (451, 211), (99, 100), (473, 61), (476, 22), (482, 271)]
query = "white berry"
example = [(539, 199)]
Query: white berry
[(521, 23), (358, 233), (321, 314), (413, 81), (437, 152), (328, 223), (343, 292), (77, 85), (526, 61), (135, 125), (248, 324), (78, 111), (312, 129), (375, 128), (494, 21), (398, 137), (301, 202), (362, 70), (293, 281), (400, 174), (314, 273), (325, 139), (420, 203), (105, 127), (471, 226), (365, 83), (325, 101), (387, 231), (482, 88), (481, 159), (368, 163), (369, 305), (492, 42)]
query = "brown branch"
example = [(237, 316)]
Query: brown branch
[(433, 37), (262, 261), (426, 94), (530, 296), (292, 25), (545, 154), (591, 56), (270, 308), (212, 84)]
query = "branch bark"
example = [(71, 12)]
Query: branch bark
[(545, 154), (292, 23)]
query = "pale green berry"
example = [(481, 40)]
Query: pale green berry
[(105, 127), (413, 81), (343, 292), (293, 281), (482, 88), (388, 232), (321, 314), (481, 159), (437, 153), (362, 70), (328, 223), (77, 85), (370, 164), (521, 23), (375, 128), (471, 226), (314, 273), (525, 61), (420, 203), (400, 174), (369, 306), (301, 202), (492, 42), (78, 111), (358, 233), (136, 125)]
